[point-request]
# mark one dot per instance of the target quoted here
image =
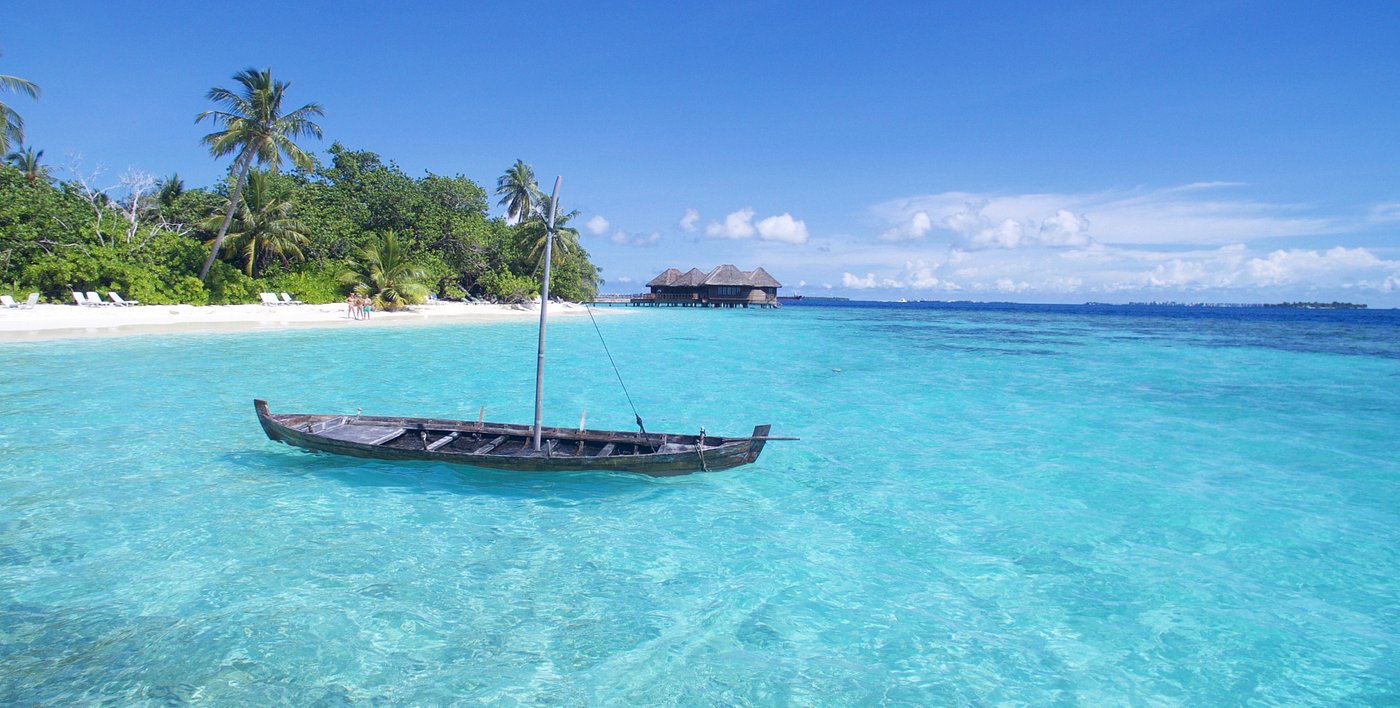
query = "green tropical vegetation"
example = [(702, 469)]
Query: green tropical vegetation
[(11, 124), (384, 272), (255, 128), (519, 192), (262, 228), (28, 162), (535, 231), (343, 220)]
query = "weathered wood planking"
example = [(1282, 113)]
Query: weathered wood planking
[(506, 446)]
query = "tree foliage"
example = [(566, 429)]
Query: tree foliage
[(303, 230), (384, 272), (519, 193), (27, 161), (11, 124), (263, 228), (255, 128)]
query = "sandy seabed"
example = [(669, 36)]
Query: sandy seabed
[(66, 321)]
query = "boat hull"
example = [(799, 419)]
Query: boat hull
[(506, 446)]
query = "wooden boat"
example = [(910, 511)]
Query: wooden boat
[(510, 447), (515, 447)]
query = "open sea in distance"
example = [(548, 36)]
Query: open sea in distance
[(989, 504)]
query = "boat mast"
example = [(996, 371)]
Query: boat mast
[(544, 306)]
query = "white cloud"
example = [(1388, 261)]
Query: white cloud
[(1384, 213), (597, 225), (1231, 273), (973, 229), (622, 238), (919, 275), (1065, 229), (915, 227), (783, 228), (870, 281), (1100, 246), (1188, 214), (1008, 234), (623, 280), (855, 282), (737, 225), (688, 221), (1201, 186), (1290, 267)]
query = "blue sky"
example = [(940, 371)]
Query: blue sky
[(1035, 152)]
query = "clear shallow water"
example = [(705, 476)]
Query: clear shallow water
[(1025, 504)]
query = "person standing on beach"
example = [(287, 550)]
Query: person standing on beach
[(369, 306), (351, 305)]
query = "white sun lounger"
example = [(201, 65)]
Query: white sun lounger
[(31, 302), (94, 299), (269, 299), (8, 302), (78, 299), (117, 300), (287, 300)]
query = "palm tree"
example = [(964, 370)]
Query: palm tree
[(534, 232), (384, 272), (170, 190), (263, 228), (519, 193), (11, 125), (28, 162), (255, 129)]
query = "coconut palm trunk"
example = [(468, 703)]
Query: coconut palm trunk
[(247, 159), (255, 128)]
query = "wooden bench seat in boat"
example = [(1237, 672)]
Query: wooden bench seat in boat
[(364, 434)]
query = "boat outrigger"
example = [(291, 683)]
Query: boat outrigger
[(515, 447)]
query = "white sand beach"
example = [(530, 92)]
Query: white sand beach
[(66, 321)]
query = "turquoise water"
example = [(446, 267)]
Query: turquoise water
[(994, 504)]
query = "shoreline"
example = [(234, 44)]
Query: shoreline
[(50, 322)]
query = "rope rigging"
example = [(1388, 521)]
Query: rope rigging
[(635, 414)]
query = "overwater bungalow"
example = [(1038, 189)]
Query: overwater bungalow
[(725, 286)]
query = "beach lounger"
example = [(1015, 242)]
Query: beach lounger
[(287, 300), (269, 299), (93, 299), (8, 302), (31, 302), (117, 300), (78, 299)]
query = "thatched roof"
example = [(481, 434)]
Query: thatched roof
[(723, 275), (727, 275), (759, 278), (693, 278), (666, 279)]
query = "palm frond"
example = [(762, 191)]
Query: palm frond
[(18, 85)]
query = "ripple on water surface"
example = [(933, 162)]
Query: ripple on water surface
[(988, 504)]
